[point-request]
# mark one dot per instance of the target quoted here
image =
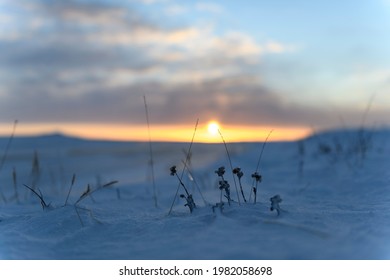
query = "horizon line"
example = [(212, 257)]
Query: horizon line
[(172, 134)]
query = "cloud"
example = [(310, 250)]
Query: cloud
[(118, 42), (234, 100), (91, 13), (93, 62), (149, 2), (275, 47), (209, 7), (174, 10)]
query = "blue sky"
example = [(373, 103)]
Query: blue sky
[(274, 63)]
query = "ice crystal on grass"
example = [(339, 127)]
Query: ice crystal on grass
[(223, 184)]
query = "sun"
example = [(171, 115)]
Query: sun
[(213, 128)]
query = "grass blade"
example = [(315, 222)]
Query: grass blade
[(4, 157), (39, 195), (151, 154), (231, 166), (70, 189), (255, 180)]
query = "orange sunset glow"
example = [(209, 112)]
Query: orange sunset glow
[(206, 132)]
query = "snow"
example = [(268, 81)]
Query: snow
[(336, 201)]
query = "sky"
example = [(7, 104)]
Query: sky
[(294, 67)]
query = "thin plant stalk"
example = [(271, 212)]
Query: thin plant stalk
[(14, 179), (40, 196), (190, 200), (70, 189), (7, 147), (151, 154), (86, 193), (89, 192), (78, 215), (237, 171), (242, 191), (35, 170), (182, 184), (195, 182), (368, 108), (223, 184), (262, 150), (231, 165), (186, 161), (258, 166), (363, 139), (255, 191)]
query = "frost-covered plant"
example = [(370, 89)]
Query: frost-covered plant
[(275, 200), (190, 200), (220, 171), (257, 178), (224, 185), (237, 171)]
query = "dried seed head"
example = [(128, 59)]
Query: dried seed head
[(257, 176), (220, 171), (238, 172), (223, 184), (173, 170)]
